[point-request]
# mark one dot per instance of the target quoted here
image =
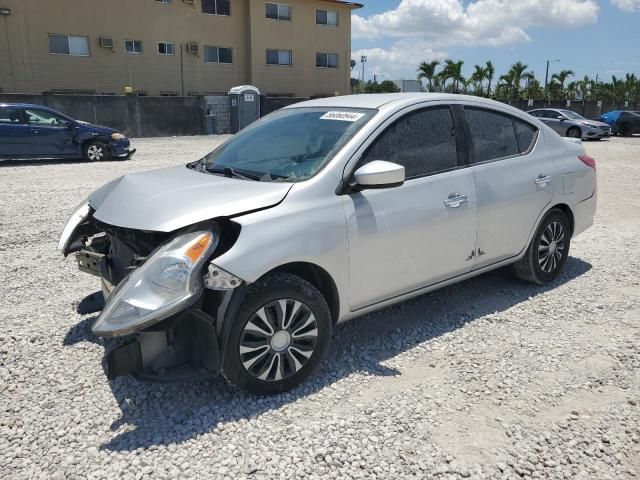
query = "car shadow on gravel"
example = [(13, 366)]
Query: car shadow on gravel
[(156, 414)]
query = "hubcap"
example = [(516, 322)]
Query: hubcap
[(94, 152), (551, 247), (278, 340)]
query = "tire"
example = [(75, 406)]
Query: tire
[(262, 354), (96, 152), (574, 132), (625, 130), (553, 233)]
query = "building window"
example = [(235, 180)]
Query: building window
[(327, 17), (133, 46), (69, 45), (163, 1), (218, 54), (279, 11), (166, 48), (216, 7), (327, 60), (279, 57)]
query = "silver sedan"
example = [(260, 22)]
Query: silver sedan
[(571, 124), (244, 261)]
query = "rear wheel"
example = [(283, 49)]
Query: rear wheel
[(96, 152), (548, 250), (279, 336), (574, 132)]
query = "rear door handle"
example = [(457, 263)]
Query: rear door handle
[(455, 200), (542, 180)]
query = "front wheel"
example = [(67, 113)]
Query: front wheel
[(548, 250), (625, 130), (279, 336), (574, 132), (96, 152)]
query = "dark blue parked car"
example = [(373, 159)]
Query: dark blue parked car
[(38, 132), (622, 122)]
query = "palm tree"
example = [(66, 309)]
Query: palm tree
[(490, 70), (632, 85), (453, 71), (428, 71), (584, 87), (561, 77), (514, 76), (479, 74)]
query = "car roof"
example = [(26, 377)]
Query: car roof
[(24, 105), (377, 100)]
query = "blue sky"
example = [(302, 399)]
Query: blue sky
[(588, 36)]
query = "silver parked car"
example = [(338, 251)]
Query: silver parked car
[(571, 124), (244, 261)]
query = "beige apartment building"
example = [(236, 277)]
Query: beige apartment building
[(175, 47)]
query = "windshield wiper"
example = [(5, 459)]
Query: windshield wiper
[(230, 172)]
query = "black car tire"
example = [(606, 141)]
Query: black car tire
[(532, 267), (625, 130), (265, 294), (96, 152), (574, 132)]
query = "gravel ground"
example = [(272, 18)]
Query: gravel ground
[(491, 378)]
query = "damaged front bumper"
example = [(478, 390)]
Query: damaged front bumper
[(172, 340), (187, 347)]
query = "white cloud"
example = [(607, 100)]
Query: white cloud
[(399, 61), (627, 5), (425, 29), (446, 23)]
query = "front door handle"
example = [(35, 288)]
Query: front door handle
[(455, 200), (542, 180)]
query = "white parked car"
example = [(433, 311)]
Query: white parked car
[(244, 261)]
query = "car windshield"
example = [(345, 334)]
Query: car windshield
[(289, 145), (572, 115)]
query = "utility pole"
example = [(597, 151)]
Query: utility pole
[(363, 59), (546, 75)]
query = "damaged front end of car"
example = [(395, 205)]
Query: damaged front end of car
[(164, 298)]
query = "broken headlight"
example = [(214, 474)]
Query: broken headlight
[(165, 284)]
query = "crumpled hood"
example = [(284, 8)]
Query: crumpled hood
[(170, 198)]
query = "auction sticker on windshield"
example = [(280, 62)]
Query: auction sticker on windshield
[(343, 116)]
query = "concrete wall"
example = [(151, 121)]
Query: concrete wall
[(589, 109), (172, 116), (218, 107), (133, 116)]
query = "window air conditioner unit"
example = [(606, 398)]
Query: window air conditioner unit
[(106, 42), (190, 2), (192, 47)]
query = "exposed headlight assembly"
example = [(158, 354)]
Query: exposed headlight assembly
[(165, 284), (79, 216), (117, 136)]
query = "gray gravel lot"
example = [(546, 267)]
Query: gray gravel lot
[(491, 378)]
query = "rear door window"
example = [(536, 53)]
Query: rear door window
[(495, 135), (423, 141), (12, 116)]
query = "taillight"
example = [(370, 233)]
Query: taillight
[(588, 161)]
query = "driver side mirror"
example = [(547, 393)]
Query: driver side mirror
[(560, 117), (379, 174)]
